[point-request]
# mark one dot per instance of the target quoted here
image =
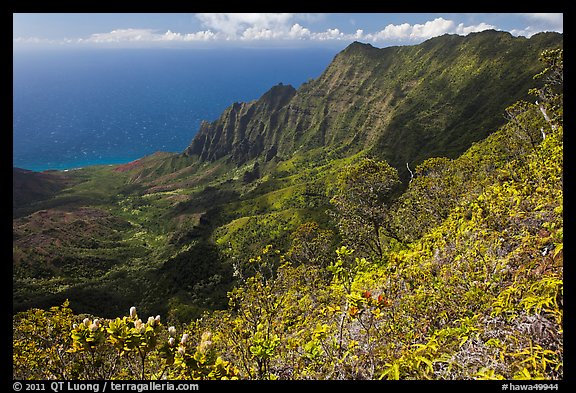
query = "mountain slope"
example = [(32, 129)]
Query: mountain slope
[(29, 186), (404, 104)]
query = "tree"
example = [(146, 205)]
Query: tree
[(550, 97), (433, 192), (311, 245), (364, 194)]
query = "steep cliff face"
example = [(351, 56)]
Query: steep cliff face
[(245, 130), (404, 104)]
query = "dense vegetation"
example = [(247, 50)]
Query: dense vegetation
[(322, 266), (164, 232)]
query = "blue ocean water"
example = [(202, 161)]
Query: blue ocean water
[(74, 108)]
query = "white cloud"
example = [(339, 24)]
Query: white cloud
[(529, 31), (145, 36), (540, 22), (204, 35), (262, 26), (235, 25), (122, 35), (391, 32), (255, 33), (278, 27), (329, 34), (432, 28), (32, 40), (299, 32), (429, 29), (465, 30)]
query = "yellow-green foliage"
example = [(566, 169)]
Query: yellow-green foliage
[(58, 344)]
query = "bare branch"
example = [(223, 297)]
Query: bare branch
[(543, 110), (411, 173)]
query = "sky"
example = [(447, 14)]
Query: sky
[(80, 30)]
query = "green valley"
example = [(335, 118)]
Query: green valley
[(400, 217)]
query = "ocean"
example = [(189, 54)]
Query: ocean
[(75, 108)]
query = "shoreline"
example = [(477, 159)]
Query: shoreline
[(77, 165)]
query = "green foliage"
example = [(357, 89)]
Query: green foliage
[(311, 245), (432, 194), (39, 343), (550, 95), (51, 345), (470, 288), (363, 198), (346, 267)]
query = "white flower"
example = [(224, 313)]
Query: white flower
[(74, 326), (206, 336), (157, 319), (86, 322), (172, 331), (151, 321), (184, 339), (93, 327), (171, 342), (139, 326), (205, 342), (181, 350), (133, 314)]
